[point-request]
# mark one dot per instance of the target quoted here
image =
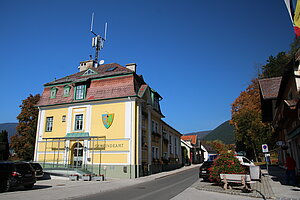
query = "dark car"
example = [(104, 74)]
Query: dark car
[(203, 170), (15, 174), (39, 173)]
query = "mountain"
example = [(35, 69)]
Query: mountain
[(200, 134), (224, 132), (10, 128)]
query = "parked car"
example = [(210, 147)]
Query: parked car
[(39, 173), (245, 161), (203, 170), (14, 174)]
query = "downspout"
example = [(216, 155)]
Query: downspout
[(130, 154)]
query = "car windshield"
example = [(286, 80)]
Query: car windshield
[(36, 165), (207, 163), (23, 167), (5, 167)]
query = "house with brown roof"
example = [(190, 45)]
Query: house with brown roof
[(280, 105), (105, 119)]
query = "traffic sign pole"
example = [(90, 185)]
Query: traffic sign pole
[(265, 150)]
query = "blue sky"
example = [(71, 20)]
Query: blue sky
[(199, 55)]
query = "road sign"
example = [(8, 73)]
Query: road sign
[(265, 148)]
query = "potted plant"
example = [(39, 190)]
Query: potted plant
[(74, 177), (98, 177), (86, 177), (226, 163)]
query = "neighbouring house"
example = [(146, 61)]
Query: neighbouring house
[(195, 152), (280, 105), (105, 120), (208, 152), (186, 149)]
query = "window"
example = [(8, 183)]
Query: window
[(153, 152), (170, 144), (80, 92), (89, 72), (53, 92), (67, 91), (49, 124), (63, 119), (152, 127), (111, 69), (78, 122), (175, 146)]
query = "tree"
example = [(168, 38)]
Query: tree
[(220, 147), (275, 65), (24, 141), (250, 132), (4, 142)]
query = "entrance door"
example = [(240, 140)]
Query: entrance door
[(77, 151)]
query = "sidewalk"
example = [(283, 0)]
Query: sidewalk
[(281, 190), (272, 186)]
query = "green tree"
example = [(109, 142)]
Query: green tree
[(250, 131), (4, 143), (275, 65), (294, 47), (24, 141)]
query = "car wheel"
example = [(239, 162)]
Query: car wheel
[(206, 179), (29, 186), (5, 185)]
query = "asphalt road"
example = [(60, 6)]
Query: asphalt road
[(159, 189)]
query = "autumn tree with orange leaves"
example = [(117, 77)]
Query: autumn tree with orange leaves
[(250, 131)]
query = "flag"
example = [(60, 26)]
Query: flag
[(293, 8), (297, 20)]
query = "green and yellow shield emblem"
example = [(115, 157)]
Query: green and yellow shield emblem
[(107, 120)]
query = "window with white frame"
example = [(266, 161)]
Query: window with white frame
[(80, 92), (78, 122), (53, 92), (49, 124), (67, 91)]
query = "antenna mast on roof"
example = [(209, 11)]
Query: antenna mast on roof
[(97, 41)]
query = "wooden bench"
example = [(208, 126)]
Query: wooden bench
[(244, 179)]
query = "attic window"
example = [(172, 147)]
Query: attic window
[(53, 92), (111, 69), (89, 72), (67, 91)]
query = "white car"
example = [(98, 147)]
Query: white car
[(245, 161)]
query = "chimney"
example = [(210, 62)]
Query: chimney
[(84, 65), (131, 66)]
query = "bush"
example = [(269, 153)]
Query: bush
[(226, 163)]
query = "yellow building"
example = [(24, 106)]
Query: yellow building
[(105, 120)]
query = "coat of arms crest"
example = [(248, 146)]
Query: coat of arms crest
[(107, 119)]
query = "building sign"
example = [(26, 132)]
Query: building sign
[(120, 145), (107, 120)]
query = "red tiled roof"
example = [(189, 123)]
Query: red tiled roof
[(120, 82), (192, 138), (269, 87)]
